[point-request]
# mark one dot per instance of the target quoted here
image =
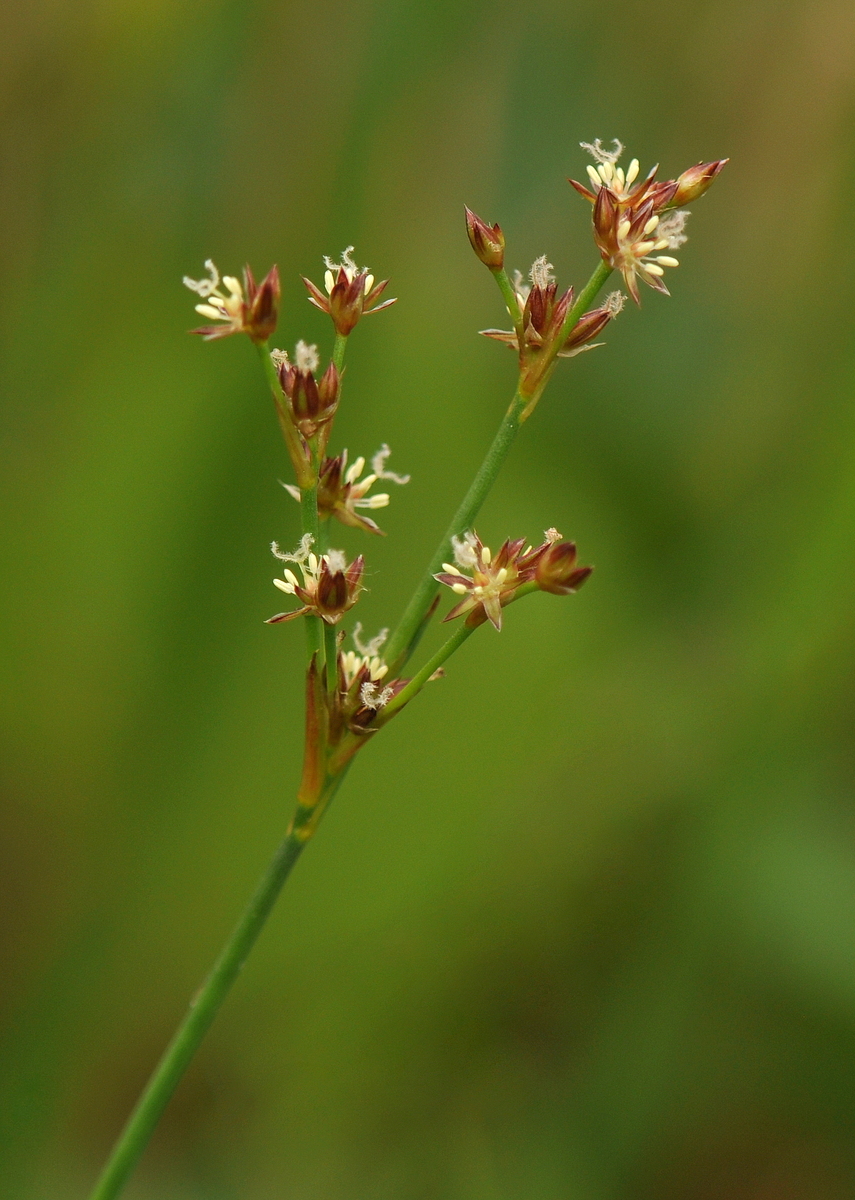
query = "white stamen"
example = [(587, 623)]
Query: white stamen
[(369, 283), (355, 470), (594, 177), (460, 588), (654, 268), (623, 228), (329, 281), (284, 586), (632, 171), (667, 261), (651, 225), (486, 556), (208, 310), (450, 569)]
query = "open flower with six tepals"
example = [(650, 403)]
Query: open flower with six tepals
[(352, 694)]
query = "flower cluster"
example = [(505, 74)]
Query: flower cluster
[(249, 308), (629, 227), (350, 293), (311, 403), (341, 491), (330, 586), (543, 315), (492, 583)]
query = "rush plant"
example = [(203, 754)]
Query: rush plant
[(354, 687)]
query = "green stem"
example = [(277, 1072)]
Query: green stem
[(311, 524), (397, 651), (421, 678), (338, 350), (331, 656), (399, 647), (510, 298), (205, 1005), (583, 302), (203, 1009)]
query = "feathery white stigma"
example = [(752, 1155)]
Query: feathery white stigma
[(541, 272), (306, 357)]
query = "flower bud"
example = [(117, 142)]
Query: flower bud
[(487, 241), (556, 570), (695, 181)]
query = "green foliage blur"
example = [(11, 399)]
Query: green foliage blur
[(581, 925)]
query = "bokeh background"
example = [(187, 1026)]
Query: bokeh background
[(582, 924)]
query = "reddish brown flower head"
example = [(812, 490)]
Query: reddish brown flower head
[(364, 688), (494, 583), (488, 241), (248, 308), (629, 225), (350, 293), (541, 310), (311, 404), (341, 491), (556, 569), (581, 337), (330, 586)]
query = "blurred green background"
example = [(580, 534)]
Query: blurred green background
[(581, 926)]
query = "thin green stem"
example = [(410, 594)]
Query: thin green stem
[(331, 656), (398, 650), (583, 301), (510, 298), (206, 1003), (338, 350), (311, 524), (203, 1009), (421, 678), (402, 641)]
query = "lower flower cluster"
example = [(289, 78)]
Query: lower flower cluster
[(488, 583)]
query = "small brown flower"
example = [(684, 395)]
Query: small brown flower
[(330, 585), (581, 336), (496, 582), (629, 226), (488, 241), (341, 492), (350, 293), (249, 308), (311, 404)]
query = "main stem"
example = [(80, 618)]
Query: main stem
[(203, 1008)]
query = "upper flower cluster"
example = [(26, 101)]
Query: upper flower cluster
[(494, 582), (249, 308), (629, 226), (350, 293)]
